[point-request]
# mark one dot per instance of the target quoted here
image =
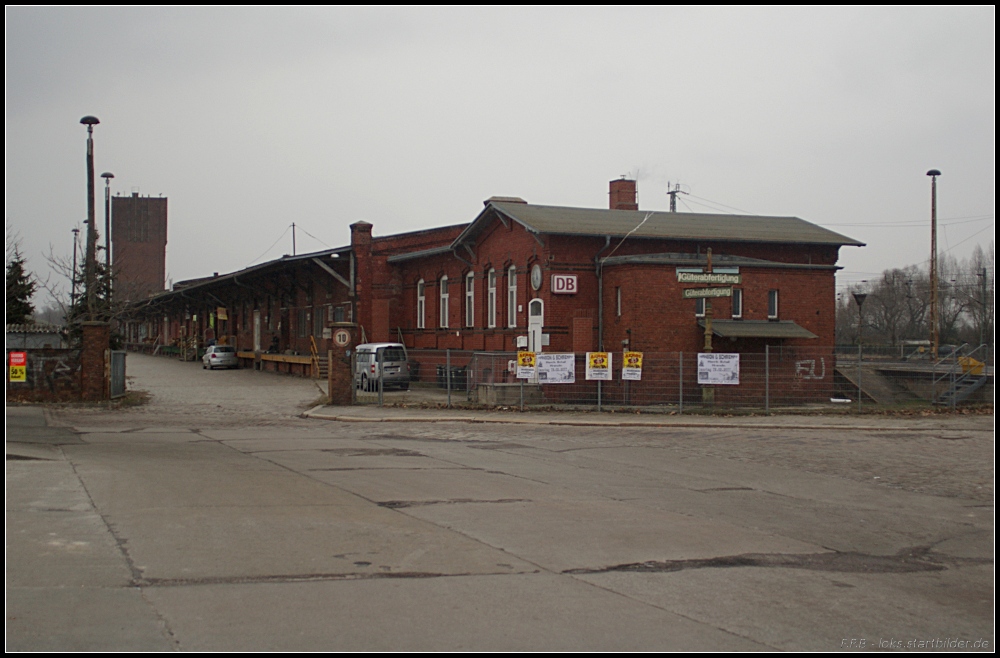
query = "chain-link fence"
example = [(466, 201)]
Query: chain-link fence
[(780, 378)]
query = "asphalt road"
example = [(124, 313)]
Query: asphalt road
[(216, 517)]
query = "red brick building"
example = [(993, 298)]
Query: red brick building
[(554, 279), (574, 279)]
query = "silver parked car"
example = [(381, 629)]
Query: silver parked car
[(220, 356), (385, 360)]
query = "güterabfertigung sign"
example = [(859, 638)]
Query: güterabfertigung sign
[(692, 293), (695, 277)]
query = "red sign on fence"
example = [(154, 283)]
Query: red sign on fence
[(17, 370)]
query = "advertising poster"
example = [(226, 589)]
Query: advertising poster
[(632, 366), (526, 365), (599, 366), (716, 368), (556, 368), (17, 370)]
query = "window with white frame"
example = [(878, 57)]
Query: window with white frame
[(772, 304), (421, 304), (470, 299), (443, 323), (512, 296), (491, 301), (699, 307), (737, 303)]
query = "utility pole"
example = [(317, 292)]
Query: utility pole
[(934, 173), (91, 254), (72, 294), (672, 193), (982, 302), (293, 238)]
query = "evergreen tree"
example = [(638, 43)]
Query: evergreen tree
[(20, 289)]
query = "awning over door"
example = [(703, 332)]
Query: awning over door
[(758, 329)]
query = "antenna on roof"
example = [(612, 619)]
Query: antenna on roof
[(672, 193)]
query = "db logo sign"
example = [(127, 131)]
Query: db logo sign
[(564, 284)]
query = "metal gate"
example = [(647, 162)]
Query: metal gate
[(117, 373)]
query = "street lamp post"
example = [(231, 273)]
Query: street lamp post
[(934, 173), (91, 254), (859, 297), (107, 176)]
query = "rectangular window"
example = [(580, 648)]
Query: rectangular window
[(737, 303), (491, 303), (444, 303), (699, 307), (421, 304), (317, 322), (772, 304), (512, 297), (470, 307), (303, 323)]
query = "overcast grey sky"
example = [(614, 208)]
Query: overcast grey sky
[(251, 119)]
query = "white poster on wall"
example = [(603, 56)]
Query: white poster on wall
[(556, 368), (718, 368)]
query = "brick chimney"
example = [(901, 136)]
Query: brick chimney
[(622, 195)]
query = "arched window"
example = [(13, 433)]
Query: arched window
[(512, 296), (491, 299), (470, 295), (421, 304), (444, 302)]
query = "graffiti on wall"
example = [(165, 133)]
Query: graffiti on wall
[(52, 374), (806, 369)]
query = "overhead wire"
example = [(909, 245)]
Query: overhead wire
[(271, 247)]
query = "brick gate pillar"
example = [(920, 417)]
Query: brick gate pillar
[(340, 378), (93, 367)]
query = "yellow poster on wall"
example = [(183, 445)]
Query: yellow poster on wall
[(632, 366), (526, 364), (599, 366)]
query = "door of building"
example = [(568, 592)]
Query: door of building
[(536, 320)]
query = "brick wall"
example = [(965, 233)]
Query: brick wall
[(53, 375), (139, 244)]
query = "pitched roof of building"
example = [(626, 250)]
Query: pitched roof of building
[(561, 220)]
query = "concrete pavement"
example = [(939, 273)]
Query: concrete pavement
[(163, 528)]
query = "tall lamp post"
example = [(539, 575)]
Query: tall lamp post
[(859, 297), (934, 173), (107, 176), (91, 254)]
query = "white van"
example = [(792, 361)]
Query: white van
[(385, 360)]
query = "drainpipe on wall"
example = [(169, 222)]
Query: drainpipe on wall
[(599, 269)]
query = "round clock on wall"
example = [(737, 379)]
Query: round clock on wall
[(536, 276)]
